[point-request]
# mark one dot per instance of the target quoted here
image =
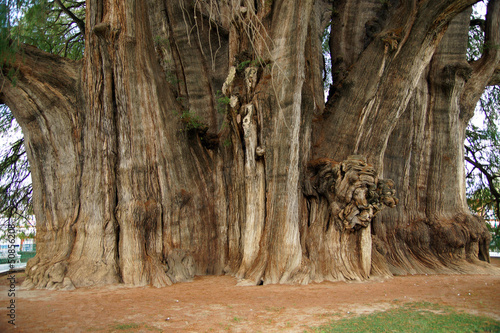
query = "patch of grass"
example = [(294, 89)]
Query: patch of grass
[(134, 327), (414, 317), (222, 102), (123, 327)]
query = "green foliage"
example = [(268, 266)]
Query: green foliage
[(15, 186), (43, 24), (222, 102), (171, 78), (6, 51), (240, 67), (414, 317), (192, 122), (476, 36), (481, 152), (482, 142), (15, 183), (483, 163), (495, 237), (161, 41), (7, 121), (325, 46)]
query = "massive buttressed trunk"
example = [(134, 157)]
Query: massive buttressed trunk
[(193, 138)]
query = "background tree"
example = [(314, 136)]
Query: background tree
[(482, 143), (139, 178), (482, 146)]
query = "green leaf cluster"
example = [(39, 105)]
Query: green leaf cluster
[(476, 36), (327, 57), (482, 144), (481, 152), (192, 122), (15, 183), (222, 102), (48, 25)]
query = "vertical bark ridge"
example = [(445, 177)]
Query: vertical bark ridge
[(45, 103), (388, 87), (433, 231), (281, 259)]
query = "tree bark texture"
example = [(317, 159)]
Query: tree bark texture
[(194, 138)]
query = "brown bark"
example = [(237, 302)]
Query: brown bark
[(433, 231), (48, 109), (139, 178)]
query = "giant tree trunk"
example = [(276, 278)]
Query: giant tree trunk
[(194, 139)]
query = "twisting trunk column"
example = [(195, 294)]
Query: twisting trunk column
[(433, 230), (47, 104)]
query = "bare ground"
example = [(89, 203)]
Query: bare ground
[(216, 304)]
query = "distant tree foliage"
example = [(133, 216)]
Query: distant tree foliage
[(483, 142), (15, 184), (481, 149), (52, 26)]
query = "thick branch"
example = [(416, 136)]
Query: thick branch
[(495, 78), (79, 23), (485, 70), (479, 23), (491, 182), (382, 79), (40, 79)]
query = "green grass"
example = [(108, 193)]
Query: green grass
[(126, 326), (133, 327), (414, 317)]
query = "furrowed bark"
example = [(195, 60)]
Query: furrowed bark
[(44, 97), (382, 76), (432, 231), (193, 138)]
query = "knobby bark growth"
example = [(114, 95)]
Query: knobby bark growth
[(194, 138)]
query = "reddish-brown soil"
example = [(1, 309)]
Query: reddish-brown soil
[(216, 304)]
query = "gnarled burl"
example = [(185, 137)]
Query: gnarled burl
[(354, 192)]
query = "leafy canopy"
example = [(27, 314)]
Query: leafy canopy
[(52, 26)]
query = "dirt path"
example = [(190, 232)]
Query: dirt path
[(216, 304)]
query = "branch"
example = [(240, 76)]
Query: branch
[(491, 182), (478, 23), (36, 85), (68, 42), (79, 23), (486, 67), (495, 78)]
